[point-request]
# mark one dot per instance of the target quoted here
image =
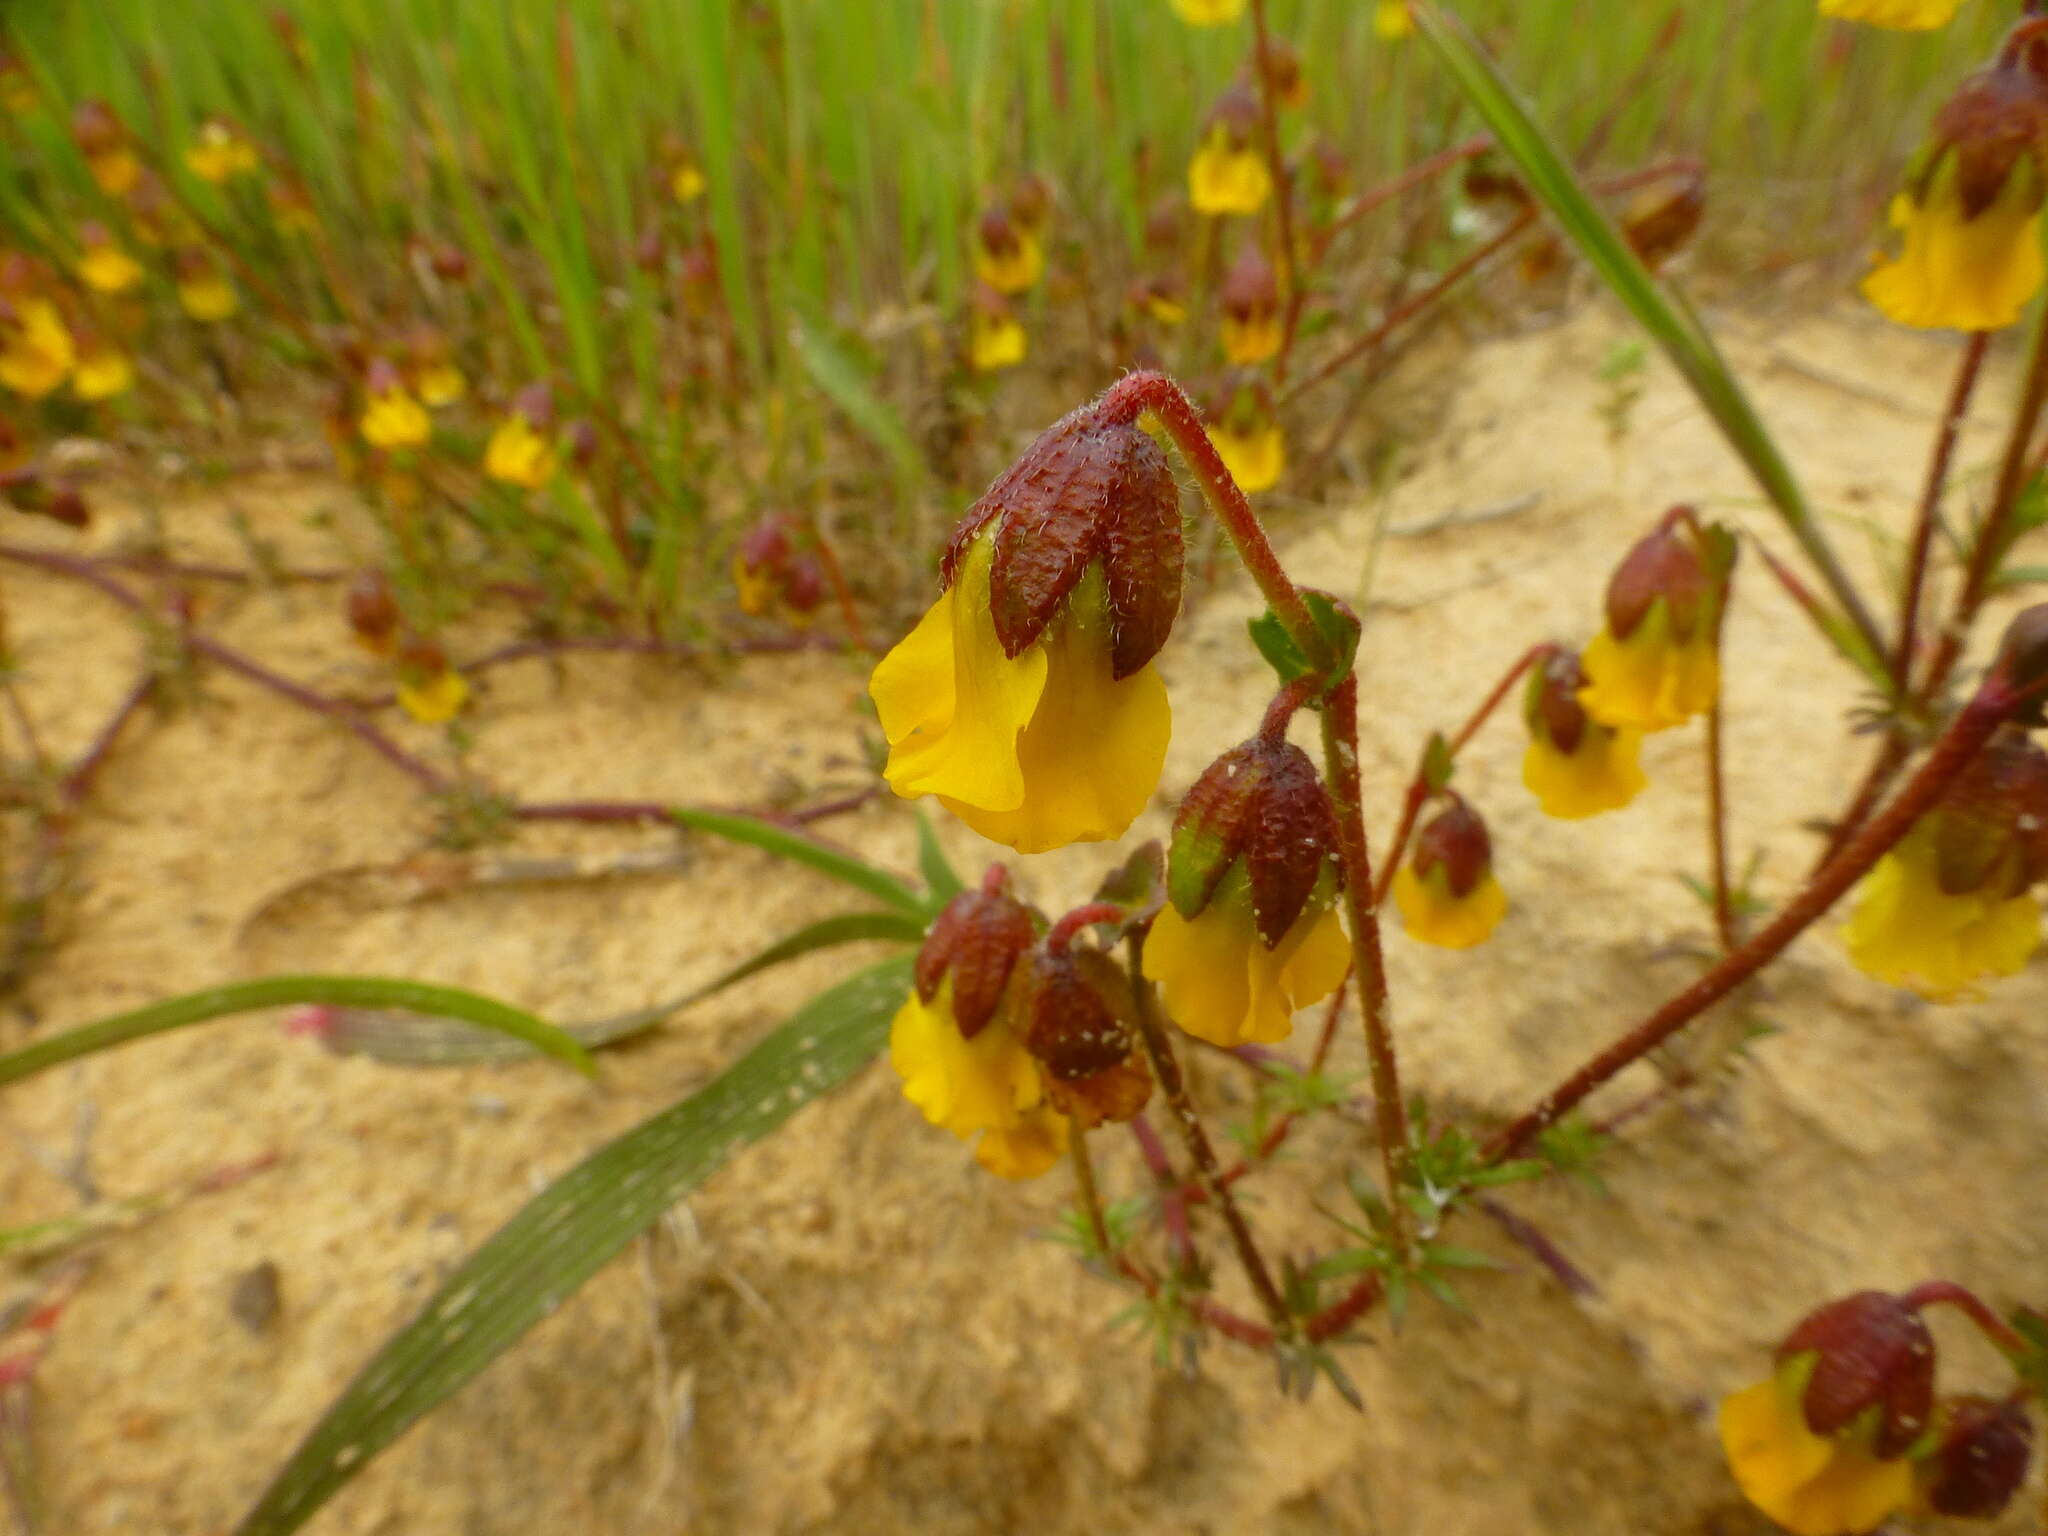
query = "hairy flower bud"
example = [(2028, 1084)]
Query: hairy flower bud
[(1872, 1354), (1664, 564), (1981, 1460), (1083, 1033), (1260, 804), (976, 941), (2021, 665), (1455, 838), (1988, 829)]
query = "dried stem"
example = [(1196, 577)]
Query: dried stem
[(1972, 727), (1166, 1069)]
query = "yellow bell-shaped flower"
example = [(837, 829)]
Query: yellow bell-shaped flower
[(1907, 930), (1812, 1485), (521, 451), (1575, 766), (1221, 982), (1446, 891), (1208, 13), (36, 349), (1657, 662), (1903, 15)]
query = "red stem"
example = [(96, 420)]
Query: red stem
[(1408, 180), (1930, 504), (1995, 1328)]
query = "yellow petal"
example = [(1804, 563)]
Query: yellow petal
[(518, 455), (103, 374), (952, 704), (1605, 773), (1965, 274), (1391, 21), (1906, 931), (209, 298), (961, 1085), (1221, 984), (1430, 914), (393, 419), (36, 352), (1649, 680), (109, 269), (1208, 13), (1250, 339), (1906, 15), (1090, 756), (995, 342), (432, 700), (1035, 1144), (1224, 178), (1255, 458), (441, 384), (1011, 271), (1769, 1448)]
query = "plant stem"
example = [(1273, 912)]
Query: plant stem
[(1929, 515), (1972, 727), (1283, 186), (1995, 1328), (1416, 174), (1717, 832), (1086, 1192), (1166, 1069)]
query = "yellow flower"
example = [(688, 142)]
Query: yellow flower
[(392, 418), (1251, 338), (1431, 914), (1221, 983), (1006, 257), (103, 372), (1813, 1485), (1163, 306), (1604, 774), (106, 268), (219, 153), (987, 1085), (114, 171), (995, 339), (1957, 271), (1648, 679), (1255, 457), (1227, 174), (686, 182), (208, 297), (1908, 931), (1037, 751), (1392, 21), (755, 584), (1208, 13), (519, 455), (434, 697), (1905, 15), (440, 383), (36, 350)]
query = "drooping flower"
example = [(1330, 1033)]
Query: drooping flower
[(1208, 13), (1283, 69), (435, 377), (958, 1041), (429, 689), (372, 610), (36, 349), (1661, 217), (995, 337), (686, 181), (759, 563), (1227, 174), (1655, 665), (1950, 906), (1247, 435), (1903, 15), (220, 153), (1820, 1445), (1575, 766), (204, 291), (1979, 1461), (1083, 1033), (103, 370), (1251, 310), (1969, 215), (1159, 298), (102, 138), (1026, 699), (1446, 892), (1008, 257), (391, 417), (102, 264), (521, 451), (1391, 20), (291, 206), (1250, 933)]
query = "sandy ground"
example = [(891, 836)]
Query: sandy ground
[(850, 1328)]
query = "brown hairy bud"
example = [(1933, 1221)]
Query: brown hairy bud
[(1250, 289), (1991, 827), (1237, 113), (1261, 803), (1087, 490), (803, 588), (998, 236), (647, 250), (1873, 1352), (977, 941), (1982, 1459), (1082, 1032), (1994, 118), (2021, 667), (1662, 217), (1456, 837), (372, 609), (1550, 704), (765, 546), (1664, 564)]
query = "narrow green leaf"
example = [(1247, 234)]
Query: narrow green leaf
[(1670, 323), (849, 928), (572, 1229), (941, 881), (784, 843), (283, 991), (846, 384)]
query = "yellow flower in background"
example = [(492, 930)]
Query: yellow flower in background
[(1811, 1484), (1446, 892), (103, 372), (36, 349), (519, 454), (1007, 257), (1208, 13), (1036, 751), (755, 585), (1575, 766), (995, 337), (1227, 174), (1907, 930), (114, 171), (1256, 456), (392, 418), (1957, 270), (440, 384), (686, 182), (1251, 338), (219, 153), (988, 1085), (203, 289), (1650, 679), (1904, 15), (429, 689), (105, 268), (1391, 20), (1220, 981)]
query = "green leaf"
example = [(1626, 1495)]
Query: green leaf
[(844, 381), (283, 991), (1670, 323), (1336, 626), (1278, 647), (848, 928), (1437, 762), (784, 843), (941, 882), (2019, 576), (572, 1229)]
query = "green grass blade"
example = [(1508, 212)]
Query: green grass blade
[(572, 1229), (1684, 340), (786, 844), (282, 991), (941, 881), (848, 928), (846, 384)]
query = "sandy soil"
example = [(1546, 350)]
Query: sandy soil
[(851, 1329)]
